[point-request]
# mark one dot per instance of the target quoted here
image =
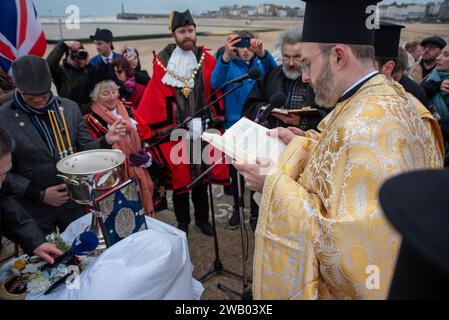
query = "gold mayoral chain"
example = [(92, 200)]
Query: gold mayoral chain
[(186, 90)]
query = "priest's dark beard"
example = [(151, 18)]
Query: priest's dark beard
[(326, 87)]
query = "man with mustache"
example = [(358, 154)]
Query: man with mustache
[(179, 87), (285, 78), (321, 233)]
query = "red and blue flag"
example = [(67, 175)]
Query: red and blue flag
[(21, 32)]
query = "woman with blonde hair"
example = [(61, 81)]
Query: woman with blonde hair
[(106, 108)]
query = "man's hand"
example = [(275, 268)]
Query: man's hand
[(291, 120), (230, 43), (286, 134), (73, 45), (257, 47), (56, 196), (116, 132), (445, 86), (47, 251), (255, 174)]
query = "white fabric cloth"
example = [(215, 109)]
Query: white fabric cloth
[(149, 265), (182, 64)]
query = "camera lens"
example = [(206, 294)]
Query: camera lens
[(82, 55)]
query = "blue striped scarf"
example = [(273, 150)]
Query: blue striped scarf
[(43, 127)]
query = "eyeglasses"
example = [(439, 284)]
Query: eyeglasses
[(287, 59), (35, 97), (305, 67)]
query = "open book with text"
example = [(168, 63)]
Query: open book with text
[(246, 141)]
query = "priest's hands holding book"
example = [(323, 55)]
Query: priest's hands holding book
[(255, 174), (286, 135)]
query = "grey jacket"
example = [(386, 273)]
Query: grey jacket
[(34, 167)]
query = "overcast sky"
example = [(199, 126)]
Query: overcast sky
[(112, 7)]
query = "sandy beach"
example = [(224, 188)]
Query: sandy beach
[(414, 31)]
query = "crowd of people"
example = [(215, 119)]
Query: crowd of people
[(380, 110)]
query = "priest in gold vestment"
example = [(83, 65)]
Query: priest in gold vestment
[(321, 233)]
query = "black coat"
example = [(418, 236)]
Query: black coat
[(16, 224), (274, 82), (77, 84), (414, 89), (34, 167)]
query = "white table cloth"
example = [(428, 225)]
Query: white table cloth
[(153, 264)]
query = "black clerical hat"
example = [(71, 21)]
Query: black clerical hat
[(180, 19), (32, 75), (347, 22), (387, 38), (417, 205)]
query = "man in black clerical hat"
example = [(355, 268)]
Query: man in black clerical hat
[(321, 233), (417, 205), (391, 60), (179, 87)]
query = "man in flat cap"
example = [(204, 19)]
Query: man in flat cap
[(27, 118), (103, 42), (180, 86), (321, 233), (432, 47)]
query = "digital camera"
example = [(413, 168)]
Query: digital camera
[(78, 55)]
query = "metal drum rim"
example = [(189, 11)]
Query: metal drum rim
[(59, 164)]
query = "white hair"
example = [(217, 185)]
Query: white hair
[(291, 36), (101, 85)]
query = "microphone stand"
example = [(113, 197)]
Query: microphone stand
[(186, 121), (218, 266)]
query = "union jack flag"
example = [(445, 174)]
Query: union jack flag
[(20, 32)]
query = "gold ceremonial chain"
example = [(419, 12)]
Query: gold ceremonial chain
[(186, 90)]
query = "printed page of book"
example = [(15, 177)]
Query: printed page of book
[(246, 141)]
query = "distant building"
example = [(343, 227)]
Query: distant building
[(444, 11), (401, 12)]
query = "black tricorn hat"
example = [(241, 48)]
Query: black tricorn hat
[(417, 204), (180, 19), (347, 22), (387, 38), (32, 75), (102, 35)]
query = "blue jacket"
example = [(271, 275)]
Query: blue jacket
[(237, 67), (96, 60)]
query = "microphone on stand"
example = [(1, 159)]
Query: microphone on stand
[(84, 244), (252, 74), (277, 100)]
